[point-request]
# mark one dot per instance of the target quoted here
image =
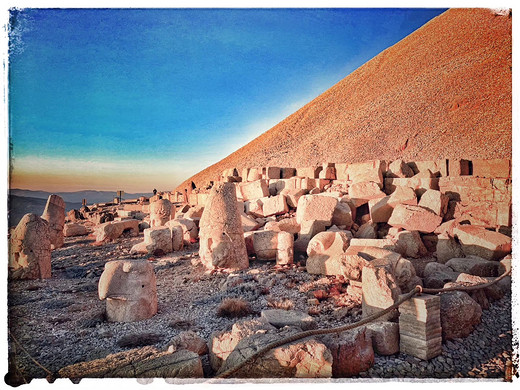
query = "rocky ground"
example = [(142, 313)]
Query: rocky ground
[(60, 321)]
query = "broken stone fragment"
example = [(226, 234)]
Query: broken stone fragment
[(130, 290), (414, 218), (325, 251), (109, 231), (434, 201), (74, 229), (483, 243)]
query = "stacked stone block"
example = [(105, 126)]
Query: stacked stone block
[(420, 329)]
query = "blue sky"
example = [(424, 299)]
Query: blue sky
[(136, 99)]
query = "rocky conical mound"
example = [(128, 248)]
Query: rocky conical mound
[(445, 91)]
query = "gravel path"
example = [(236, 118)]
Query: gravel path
[(60, 321)]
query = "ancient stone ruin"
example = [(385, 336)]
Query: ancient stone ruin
[(54, 213)]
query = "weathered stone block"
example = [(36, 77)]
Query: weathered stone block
[(325, 251), (275, 205), (481, 242), (414, 218), (254, 190)]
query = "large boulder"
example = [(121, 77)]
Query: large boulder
[(380, 289), (316, 208), (352, 352), (112, 230), (474, 266), (30, 249), (414, 218), (325, 251), (54, 213), (222, 343), (307, 358), (130, 290), (160, 212), (385, 337), (435, 201), (221, 235), (74, 229), (459, 314), (478, 241)]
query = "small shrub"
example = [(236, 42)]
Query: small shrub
[(139, 340), (284, 304), (234, 307)]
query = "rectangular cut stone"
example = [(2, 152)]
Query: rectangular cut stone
[(420, 330), (382, 243), (366, 171), (496, 168), (254, 190), (307, 183), (192, 199), (340, 185), (275, 205), (254, 174), (458, 167), (483, 214), (287, 173), (380, 210), (272, 173), (501, 190), (420, 185), (310, 172), (328, 173), (483, 243), (365, 191), (437, 167), (504, 214), (341, 171)]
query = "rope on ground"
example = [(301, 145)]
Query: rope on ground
[(28, 354), (315, 332)]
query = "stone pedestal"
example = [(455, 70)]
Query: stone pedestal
[(420, 329)]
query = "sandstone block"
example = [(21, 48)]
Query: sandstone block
[(380, 289), (434, 201), (30, 249), (254, 174), (414, 218), (316, 208), (402, 195), (410, 244), (221, 235), (130, 290), (436, 167), (275, 205), (74, 229), (495, 168), (419, 184), (254, 190), (385, 337), (366, 172), (399, 168), (365, 191), (325, 252), (286, 173), (458, 167), (480, 242), (177, 235), (54, 213), (271, 245), (292, 196), (380, 210), (383, 243), (190, 232), (272, 173), (309, 172), (342, 215), (367, 230), (112, 230), (328, 173)]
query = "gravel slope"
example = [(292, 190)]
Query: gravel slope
[(444, 91)]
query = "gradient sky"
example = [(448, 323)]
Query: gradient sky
[(136, 99)]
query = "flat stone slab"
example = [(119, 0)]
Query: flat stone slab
[(281, 318)]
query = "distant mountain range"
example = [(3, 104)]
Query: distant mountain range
[(22, 202), (91, 196)]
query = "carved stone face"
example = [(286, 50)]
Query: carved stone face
[(160, 212), (130, 288)]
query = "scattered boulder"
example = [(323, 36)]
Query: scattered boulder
[(325, 251), (194, 212), (436, 275), (280, 318), (130, 290), (367, 230), (410, 244), (54, 213), (414, 218), (224, 342), (474, 266), (402, 195), (435, 201), (177, 235), (221, 236), (30, 249), (74, 215), (380, 210), (352, 352), (478, 241), (447, 248), (459, 314), (385, 337), (109, 231), (293, 196), (305, 358), (190, 341), (74, 229)]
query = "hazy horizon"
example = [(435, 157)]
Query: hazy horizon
[(136, 99)]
